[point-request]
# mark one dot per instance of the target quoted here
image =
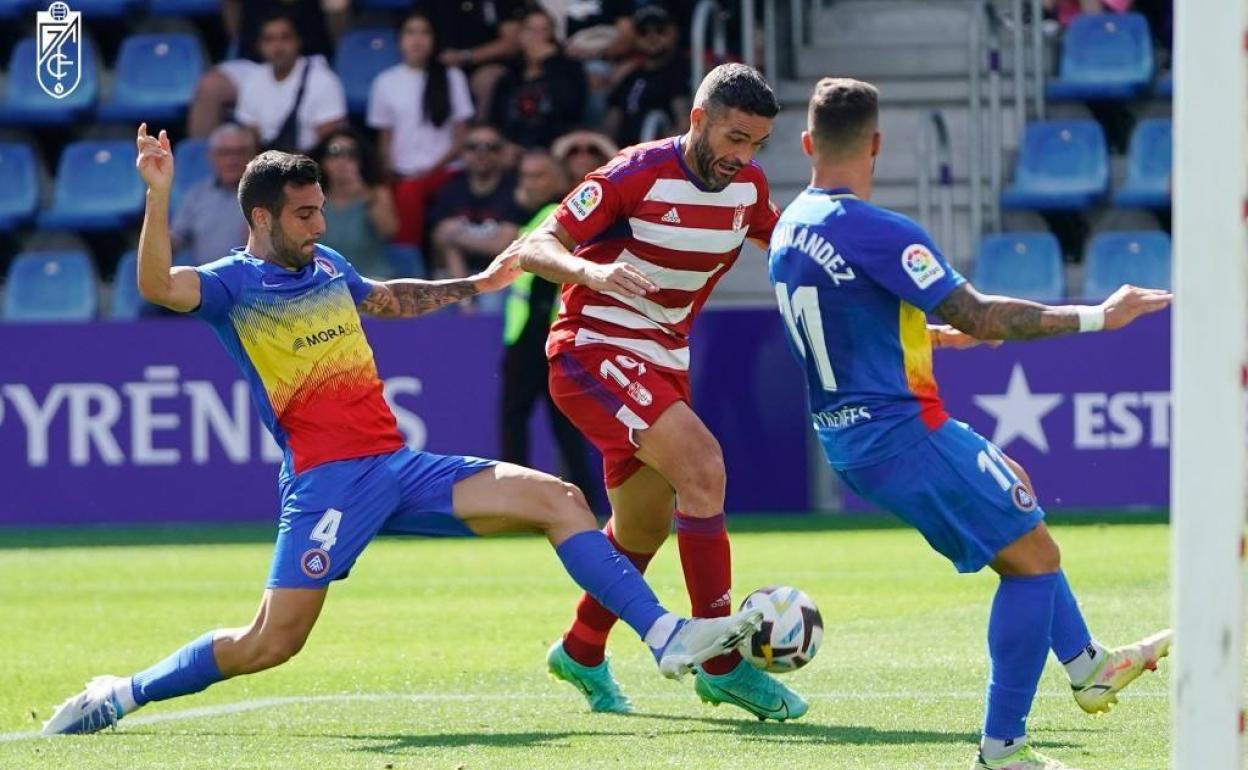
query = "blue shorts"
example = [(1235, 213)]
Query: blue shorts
[(955, 488), (331, 512)]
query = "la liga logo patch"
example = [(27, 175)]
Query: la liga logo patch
[(584, 200), (1023, 499), (921, 265), (327, 266)]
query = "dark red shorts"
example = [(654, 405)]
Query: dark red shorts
[(609, 394)]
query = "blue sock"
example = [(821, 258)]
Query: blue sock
[(186, 671), (610, 578), (1070, 633), (1018, 644)]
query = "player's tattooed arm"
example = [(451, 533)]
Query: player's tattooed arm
[(1004, 318), (406, 298)]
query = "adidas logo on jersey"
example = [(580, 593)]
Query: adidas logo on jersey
[(671, 217)]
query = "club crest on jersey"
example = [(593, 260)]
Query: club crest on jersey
[(921, 265), (738, 216), (640, 394), (327, 266), (584, 200), (1023, 499), (314, 562)]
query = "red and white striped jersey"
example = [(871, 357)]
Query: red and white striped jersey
[(647, 208)]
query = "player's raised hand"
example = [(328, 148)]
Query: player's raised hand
[(619, 277), (1131, 302), (502, 271), (155, 161)]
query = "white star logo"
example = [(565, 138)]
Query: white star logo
[(1019, 412)]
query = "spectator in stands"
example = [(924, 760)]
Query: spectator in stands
[(420, 108), (209, 221), (292, 101), (599, 34), (1065, 10), (582, 151), (659, 84), (479, 37), (543, 93), (528, 313), (318, 22), (475, 215), (359, 209)]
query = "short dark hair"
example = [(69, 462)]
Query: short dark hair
[(843, 112), (737, 86), (265, 179)]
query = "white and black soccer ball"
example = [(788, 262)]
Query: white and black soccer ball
[(791, 632)]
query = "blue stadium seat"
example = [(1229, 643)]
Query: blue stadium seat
[(1063, 166), (1165, 86), (361, 55), (106, 9), (191, 165), (97, 187), (1148, 167), (384, 5), (184, 7), (1140, 258), (1104, 56), (11, 10), (1026, 265), (127, 302), (156, 76), (51, 286), (19, 195), (26, 104)]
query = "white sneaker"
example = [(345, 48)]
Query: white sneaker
[(700, 639), (89, 711), (1026, 758), (1120, 668)]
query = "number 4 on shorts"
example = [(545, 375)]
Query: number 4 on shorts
[(325, 532)]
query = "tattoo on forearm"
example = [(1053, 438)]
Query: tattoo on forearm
[(408, 298), (1004, 318)]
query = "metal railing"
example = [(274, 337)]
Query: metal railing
[(934, 151), (712, 12), (654, 125)]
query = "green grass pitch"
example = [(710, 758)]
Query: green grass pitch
[(432, 655)]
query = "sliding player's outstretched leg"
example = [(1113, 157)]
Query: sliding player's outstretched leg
[(641, 521), (508, 498), (279, 630)]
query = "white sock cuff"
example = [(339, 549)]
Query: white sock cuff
[(661, 631)]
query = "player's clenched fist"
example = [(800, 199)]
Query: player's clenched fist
[(619, 277), (1131, 302), (155, 162)]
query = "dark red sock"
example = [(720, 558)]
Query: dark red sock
[(706, 558), (586, 641)]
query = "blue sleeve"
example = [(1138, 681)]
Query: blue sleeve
[(901, 257), (356, 284), (218, 287)]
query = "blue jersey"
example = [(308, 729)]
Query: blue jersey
[(296, 336), (854, 283)]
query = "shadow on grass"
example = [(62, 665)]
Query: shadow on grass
[(227, 534), (787, 733)]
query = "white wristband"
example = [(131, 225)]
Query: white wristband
[(1091, 318)]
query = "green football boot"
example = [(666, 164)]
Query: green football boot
[(748, 688), (594, 682)]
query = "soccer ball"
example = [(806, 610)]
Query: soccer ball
[(791, 632)]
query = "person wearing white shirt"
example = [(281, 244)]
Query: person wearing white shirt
[(292, 101), (420, 108)]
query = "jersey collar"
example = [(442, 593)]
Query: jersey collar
[(680, 158), (834, 193)]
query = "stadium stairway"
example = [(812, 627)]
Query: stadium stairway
[(917, 53)]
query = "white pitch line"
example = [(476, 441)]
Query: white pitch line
[(239, 707)]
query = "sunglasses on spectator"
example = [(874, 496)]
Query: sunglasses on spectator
[(342, 151), (483, 146), (588, 149)]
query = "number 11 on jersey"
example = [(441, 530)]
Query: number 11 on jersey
[(801, 315)]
